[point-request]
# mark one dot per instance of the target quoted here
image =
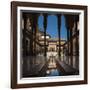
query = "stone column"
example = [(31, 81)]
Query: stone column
[(77, 43), (35, 23), (24, 34), (30, 16), (71, 48), (68, 37), (68, 48), (69, 25), (59, 34), (45, 26)]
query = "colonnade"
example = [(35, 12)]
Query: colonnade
[(70, 48), (32, 30)]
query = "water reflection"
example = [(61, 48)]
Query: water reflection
[(52, 68), (39, 66), (52, 72)]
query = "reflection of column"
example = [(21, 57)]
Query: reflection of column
[(45, 26), (59, 36)]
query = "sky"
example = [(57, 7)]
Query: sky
[(52, 26)]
